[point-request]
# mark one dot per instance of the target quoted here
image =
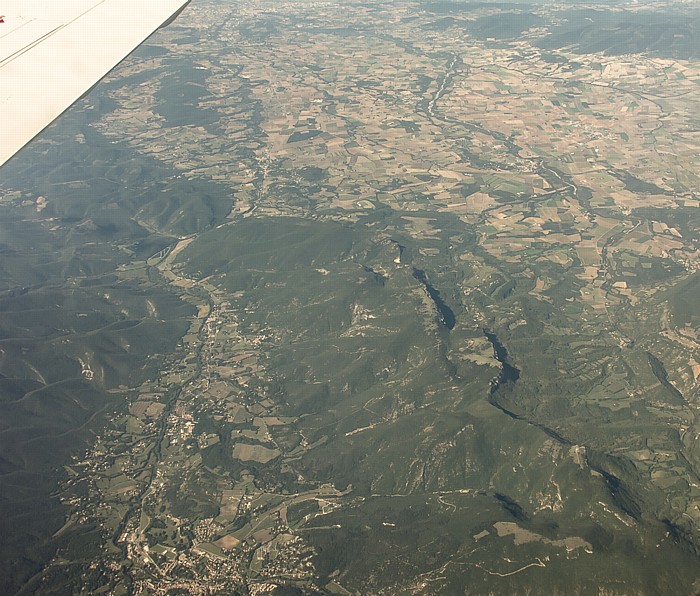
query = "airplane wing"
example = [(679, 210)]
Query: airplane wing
[(54, 51)]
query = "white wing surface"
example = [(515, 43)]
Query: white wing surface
[(53, 51)]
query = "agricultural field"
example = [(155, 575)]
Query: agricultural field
[(360, 298)]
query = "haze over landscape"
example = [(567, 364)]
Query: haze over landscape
[(361, 297)]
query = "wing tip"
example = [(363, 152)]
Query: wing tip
[(176, 14)]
